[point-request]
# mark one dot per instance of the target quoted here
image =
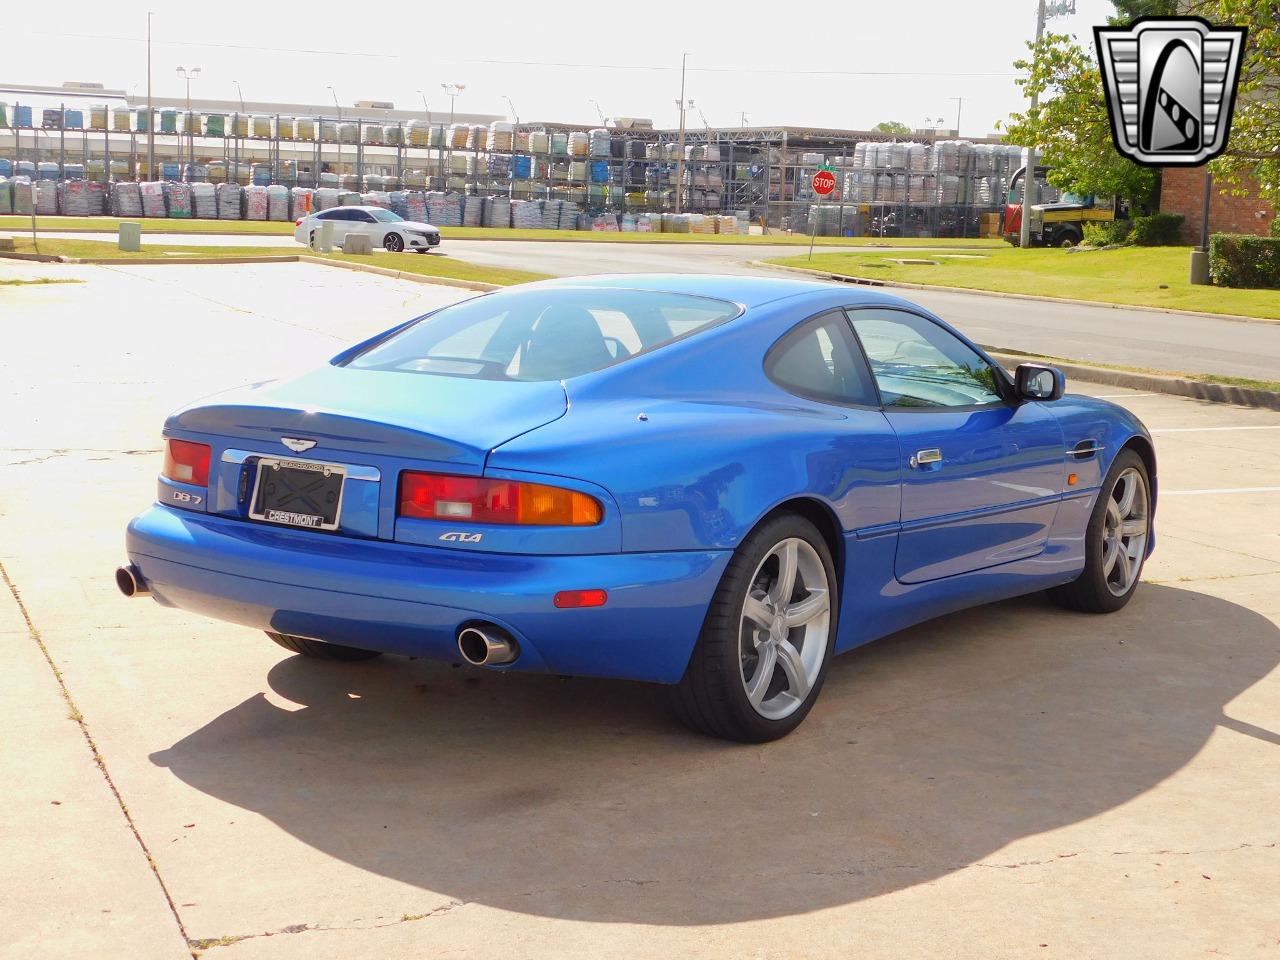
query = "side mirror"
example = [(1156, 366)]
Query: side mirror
[(1036, 381)]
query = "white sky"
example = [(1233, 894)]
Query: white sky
[(627, 55)]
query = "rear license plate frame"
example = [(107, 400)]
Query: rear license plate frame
[(282, 518)]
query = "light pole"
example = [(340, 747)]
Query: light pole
[(515, 117), (959, 103), (451, 91), (1029, 154), (338, 131), (151, 110), (683, 105), (599, 112), (425, 108), (239, 94), (742, 120), (188, 75)]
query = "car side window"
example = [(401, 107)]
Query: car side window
[(820, 360), (364, 216), (917, 363)]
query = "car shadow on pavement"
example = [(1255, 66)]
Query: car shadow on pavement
[(582, 799)]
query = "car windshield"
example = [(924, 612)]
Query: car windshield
[(386, 216), (542, 334)]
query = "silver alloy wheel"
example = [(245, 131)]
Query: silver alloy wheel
[(393, 243), (1124, 532), (786, 617)]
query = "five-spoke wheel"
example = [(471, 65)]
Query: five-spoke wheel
[(1116, 540), (768, 636), (393, 242)]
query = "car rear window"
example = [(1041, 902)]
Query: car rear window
[(542, 334)]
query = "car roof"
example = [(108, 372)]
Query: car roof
[(750, 291)]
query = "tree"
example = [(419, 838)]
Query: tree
[(895, 127), (1071, 127), (1073, 130)]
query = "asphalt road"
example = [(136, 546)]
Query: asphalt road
[(1140, 338), (1008, 781)]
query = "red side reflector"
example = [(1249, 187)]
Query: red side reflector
[(186, 462), (572, 599)]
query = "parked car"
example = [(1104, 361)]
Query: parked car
[(709, 482), (384, 228)]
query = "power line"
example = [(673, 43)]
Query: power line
[(650, 68)]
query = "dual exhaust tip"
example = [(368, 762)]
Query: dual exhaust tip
[(485, 645)]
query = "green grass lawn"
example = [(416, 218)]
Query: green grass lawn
[(1141, 276), (276, 228), (426, 265)]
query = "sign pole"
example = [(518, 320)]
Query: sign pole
[(823, 183)]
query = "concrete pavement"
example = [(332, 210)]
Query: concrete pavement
[(1011, 781)]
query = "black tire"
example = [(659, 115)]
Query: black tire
[(422, 250), (312, 239), (320, 650), (711, 698), (1067, 239), (1090, 592), (393, 243)]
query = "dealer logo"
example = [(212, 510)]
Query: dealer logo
[(1171, 87)]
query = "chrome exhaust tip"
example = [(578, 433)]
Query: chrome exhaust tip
[(484, 645), (130, 581)]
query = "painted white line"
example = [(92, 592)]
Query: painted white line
[(1210, 429), (1195, 493)]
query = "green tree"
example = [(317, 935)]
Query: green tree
[(1070, 127), (896, 127)]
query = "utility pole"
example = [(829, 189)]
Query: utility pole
[(239, 94), (514, 116), (1029, 153), (959, 103), (742, 120), (599, 112), (425, 108), (151, 110), (683, 105)]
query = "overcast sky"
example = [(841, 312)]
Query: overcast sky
[(838, 63)]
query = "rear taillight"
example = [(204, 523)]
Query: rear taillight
[(186, 462), (298, 222), (439, 496)]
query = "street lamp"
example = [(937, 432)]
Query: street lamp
[(188, 75), (959, 104), (451, 90), (338, 131), (599, 112), (514, 116), (683, 105), (240, 94), (425, 108)]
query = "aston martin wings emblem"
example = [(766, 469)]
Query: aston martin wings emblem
[(1171, 86)]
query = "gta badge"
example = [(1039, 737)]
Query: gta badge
[(1171, 86)]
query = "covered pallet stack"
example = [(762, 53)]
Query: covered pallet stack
[(153, 199), (255, 203), (178, 199), (229, 201), (126, 200)]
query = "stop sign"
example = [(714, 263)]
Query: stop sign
[(824, 182)]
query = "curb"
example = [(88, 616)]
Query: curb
[(277, 258), (401, 274), (871, 282), (1150, 382)]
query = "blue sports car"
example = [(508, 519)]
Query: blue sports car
[(714, 483)]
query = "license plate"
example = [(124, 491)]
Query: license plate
[(298, 493)]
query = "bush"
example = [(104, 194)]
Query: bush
[(1106, 233), (1275, 226), (1239, 260), (1157, 230)]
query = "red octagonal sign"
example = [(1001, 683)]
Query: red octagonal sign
[(824, 182)]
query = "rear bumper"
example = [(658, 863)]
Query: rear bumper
[(411, 600)]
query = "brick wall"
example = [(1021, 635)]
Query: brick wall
[(1182, 192)]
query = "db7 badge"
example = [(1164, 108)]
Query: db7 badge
[(1171, 86)]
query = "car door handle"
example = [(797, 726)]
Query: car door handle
[(923, 458)]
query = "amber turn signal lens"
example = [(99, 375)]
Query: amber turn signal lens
[(1072, 480), (439, 496)]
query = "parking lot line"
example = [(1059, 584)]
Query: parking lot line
[(1192, 493), (1211, 429)]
